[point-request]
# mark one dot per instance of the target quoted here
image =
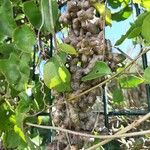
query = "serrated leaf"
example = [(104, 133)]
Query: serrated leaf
[(105, 12), (50, 14), (67, 49), (130, 81), (56, 75), (100, 69), (118, 96), (33, 13), (122, 14), (146, 28), (147, 75), (24, 38), (133, 30)]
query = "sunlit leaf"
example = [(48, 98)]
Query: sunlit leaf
[(62, 74), (146, 4), (67, 49), (147, 75), (19, 132), (137, 1), (146, 28), (56, 75), (143, 3), (130, 81), (100, 69), (124, 2), (105, 12), (24, 38), (134, 30), (43, 120)]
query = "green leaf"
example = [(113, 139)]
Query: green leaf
[(122, 14), (146, 4), (56, 75), (143, 3), (22, 109), (33, 13), (10, 71), (5, 123), (43, 120), (19, 132), (114, 3), (130, 81), (12, 140), (7, 22), (67, 49), (118, 96), (146, 28), (63, 56), (16, 70), (147, 75), (49, 9), (6, 50), (24, 38), (100, 7), (134, 30), (100, 69)]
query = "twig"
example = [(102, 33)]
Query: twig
[(107, 137), (124, 130), (127, 56), (108, 79)]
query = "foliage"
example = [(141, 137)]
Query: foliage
[(100, 69), (25, 29)]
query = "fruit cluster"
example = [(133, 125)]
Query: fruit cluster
[(86, 35)]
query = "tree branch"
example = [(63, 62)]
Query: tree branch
[(107, 137), (121, 132)]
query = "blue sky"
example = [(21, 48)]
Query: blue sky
[(119, 28)]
